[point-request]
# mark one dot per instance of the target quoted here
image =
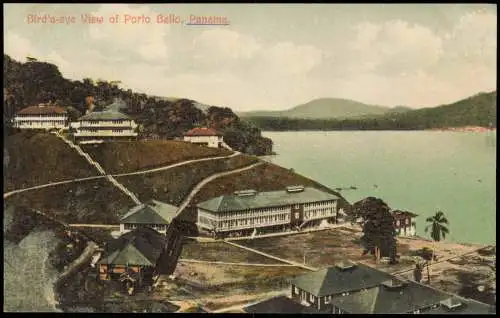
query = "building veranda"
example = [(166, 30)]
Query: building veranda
[(248, 212)]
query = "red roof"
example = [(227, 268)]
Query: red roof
[(202, 132), (42, 110)]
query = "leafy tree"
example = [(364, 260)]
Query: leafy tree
[(379, 235), (437, 225)]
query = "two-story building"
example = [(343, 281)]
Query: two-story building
[(404, 223), (355, 288), (99, 126), (42, 116), (204, 136), (249, 212)]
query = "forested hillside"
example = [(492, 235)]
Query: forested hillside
[(478, 110), (34, 82)]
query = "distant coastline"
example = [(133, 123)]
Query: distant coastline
[(466, 129)]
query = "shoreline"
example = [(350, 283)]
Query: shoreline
[(453, 129)]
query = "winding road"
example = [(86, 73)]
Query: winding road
[(200, 185), (7, 194)]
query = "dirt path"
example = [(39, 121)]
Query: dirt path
[(235, 264), (272, 257), (6, 195), (201, 184), (443, 260)]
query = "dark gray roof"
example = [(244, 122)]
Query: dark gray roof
[(153, 212), (467, 307), (278, 305), (105, 115), (333, 280), (265, 199), (142, 246), (385, 299)]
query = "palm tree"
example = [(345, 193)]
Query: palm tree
[(437, 225)]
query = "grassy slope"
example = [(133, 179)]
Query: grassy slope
[(99, 202), (96, 201), (40, 158), (174, 185), (266, 177), (122, 157)]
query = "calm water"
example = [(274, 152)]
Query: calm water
[(419, 171)]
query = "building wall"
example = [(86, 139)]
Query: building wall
[(41, 121), (160, 228), (103, 129), (211, 141), (404, 227), (265, 217)]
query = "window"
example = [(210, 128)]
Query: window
[(407, 221), (311, 297), (297, 215), (397, 223)]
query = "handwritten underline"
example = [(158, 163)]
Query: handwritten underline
[(206, 24)]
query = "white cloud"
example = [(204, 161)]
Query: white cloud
[(395, 47), (215, 44), (287, 57), (474, 38), (147, 40), (18, 47)]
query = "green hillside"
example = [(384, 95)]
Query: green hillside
[(34, 82), (477, 110), (327, 108)]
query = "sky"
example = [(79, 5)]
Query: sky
[(271, 56)]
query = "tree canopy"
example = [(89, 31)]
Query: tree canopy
[(34, 82), (378, 226)]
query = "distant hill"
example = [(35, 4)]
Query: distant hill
[(478, 110), (328, 108)]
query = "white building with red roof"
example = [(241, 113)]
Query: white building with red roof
[(205, 136), (43, 116)]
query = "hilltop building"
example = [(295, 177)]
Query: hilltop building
[(204, 136), (404, 223), (250, 212), (96, 127), (43, 116), (355, 288)]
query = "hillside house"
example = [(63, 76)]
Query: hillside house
[(43, 116), (204, 136), (354, 288), (141, 254), (154, 214), (249, 212), (100, 126), (404, 223)]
